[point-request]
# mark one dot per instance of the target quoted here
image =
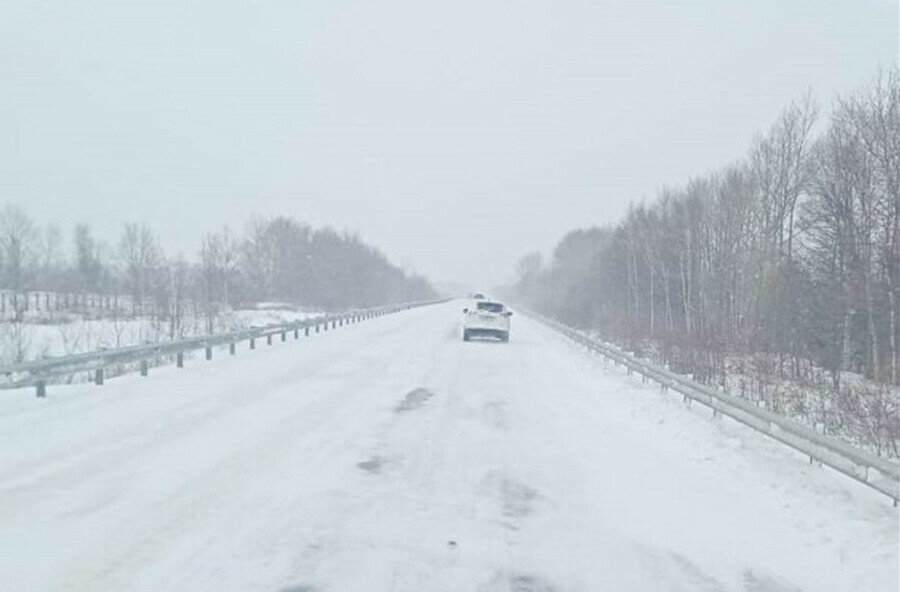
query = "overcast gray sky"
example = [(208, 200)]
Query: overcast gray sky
[(455, 136)]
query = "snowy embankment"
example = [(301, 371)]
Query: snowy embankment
[(861, 411), (390, 455), (60, 333)]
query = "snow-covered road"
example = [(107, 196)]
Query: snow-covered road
[(391, 456)]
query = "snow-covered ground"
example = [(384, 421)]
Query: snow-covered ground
[(59, 334), (390, 455), (863, 413)]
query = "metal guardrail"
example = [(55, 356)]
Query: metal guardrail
[(39, 373), (876, 472)]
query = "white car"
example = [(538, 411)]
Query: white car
[(486, 319)]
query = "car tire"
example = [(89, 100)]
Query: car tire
[(504, 337), (465, 335)]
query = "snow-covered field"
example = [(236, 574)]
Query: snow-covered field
[(390, 455), (59, 334)]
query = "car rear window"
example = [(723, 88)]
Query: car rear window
[(490, 307)]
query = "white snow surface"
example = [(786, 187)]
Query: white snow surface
[(67, 334), (390, 455)]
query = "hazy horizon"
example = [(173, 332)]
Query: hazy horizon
[(454, 138)]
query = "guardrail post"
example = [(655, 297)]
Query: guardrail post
[(232, 348), (41, 388), (208, 353), (317, 327), (252, 343), (296, 332), (179, 360), (98, 376), (341, 321), (283, 336), (306, 331), (820, 427), (333, 324), (144, 368), (269, 339)]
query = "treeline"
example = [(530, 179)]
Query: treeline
[(275, 259), (791, 255)]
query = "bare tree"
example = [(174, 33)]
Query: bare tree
[(780, 162), (875, 116), (50, 257), (87, 259), (140, 255), (18, 243)]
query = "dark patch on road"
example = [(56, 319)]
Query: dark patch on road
[(758, 583), (414, 399), (516, 582), (698, 579), (529, 583), (300, 588), (374, 465), (517, 499)]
